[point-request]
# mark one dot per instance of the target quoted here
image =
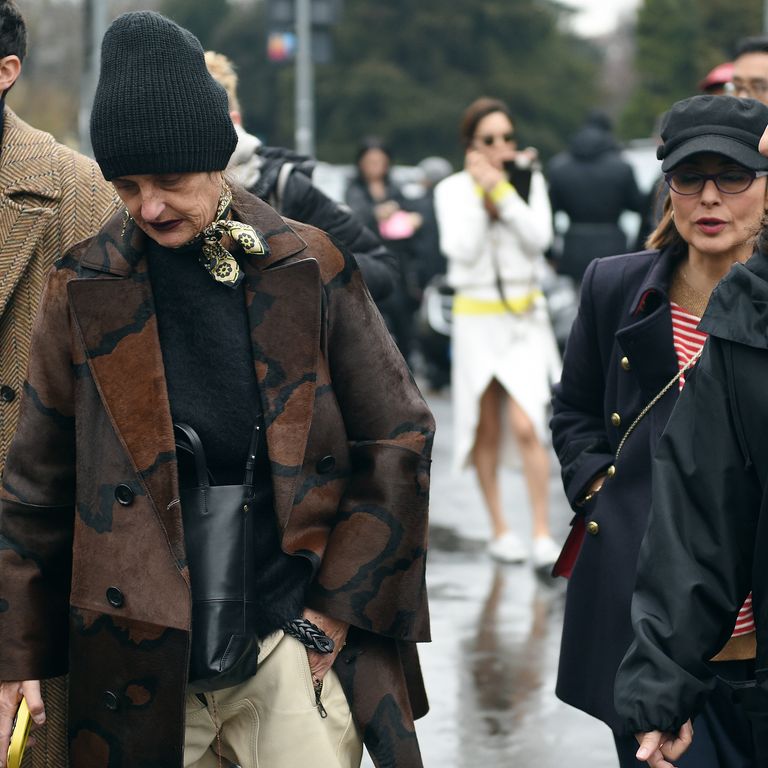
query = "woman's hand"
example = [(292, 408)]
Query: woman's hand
[(320, 663), (482, 171), (658, 748), (10, 697)]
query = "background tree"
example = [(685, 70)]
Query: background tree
[(403, 70), (677, 43)]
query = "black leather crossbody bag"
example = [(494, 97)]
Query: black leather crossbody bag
[(218, 533)]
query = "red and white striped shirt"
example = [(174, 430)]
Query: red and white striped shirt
[(688, 340)]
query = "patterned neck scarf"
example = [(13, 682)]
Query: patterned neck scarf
[(216, 259)]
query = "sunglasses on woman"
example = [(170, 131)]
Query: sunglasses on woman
[(489, 140), (730, 182)]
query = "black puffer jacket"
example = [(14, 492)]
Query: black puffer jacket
[(707, 538), (593, 185), (257, 168)]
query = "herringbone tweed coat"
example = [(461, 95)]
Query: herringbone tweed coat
[(50, 199), (95, 431)]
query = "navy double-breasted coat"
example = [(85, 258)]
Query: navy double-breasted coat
[(619, 356)]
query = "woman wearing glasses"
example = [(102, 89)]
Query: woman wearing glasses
[(638, 330), (706, 540), (495, 223)]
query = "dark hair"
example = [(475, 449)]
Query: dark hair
[(475, 112), (371, 142), (757, 44), (596, 118), (13, 31)]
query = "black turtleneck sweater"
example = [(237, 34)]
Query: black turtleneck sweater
[(206, 345)]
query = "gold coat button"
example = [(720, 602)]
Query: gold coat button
[(593, 528), (625, 363), (615, 419), (611, 471)]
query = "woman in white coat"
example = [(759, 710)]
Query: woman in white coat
[(495, 223)]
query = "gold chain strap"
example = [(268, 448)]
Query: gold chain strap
[(655, 400)]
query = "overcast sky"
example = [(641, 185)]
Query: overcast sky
[(598, 16)]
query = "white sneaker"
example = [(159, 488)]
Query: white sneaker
[(545, 552), (507, 548)]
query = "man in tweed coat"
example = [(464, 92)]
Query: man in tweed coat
[(50, 199)]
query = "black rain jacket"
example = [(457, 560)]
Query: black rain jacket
[(707, 541)]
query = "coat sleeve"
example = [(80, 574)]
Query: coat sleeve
[(578, 427), (372, 571), (461, 219), (532, 221), (695, 563), (37, 503), (304, 202)]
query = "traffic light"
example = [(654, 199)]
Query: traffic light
[(281, 38)]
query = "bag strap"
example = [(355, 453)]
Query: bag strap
[(655, 400), (282, 180), (250, 462), (194, 446), (500, 283)]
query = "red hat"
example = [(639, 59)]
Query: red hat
[(720, 75)]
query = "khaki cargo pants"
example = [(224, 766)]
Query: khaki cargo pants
[(272, 720)]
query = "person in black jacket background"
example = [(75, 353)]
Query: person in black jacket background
[(593, 185), (282, 178)]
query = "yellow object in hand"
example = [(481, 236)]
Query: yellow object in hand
[(19, 736)]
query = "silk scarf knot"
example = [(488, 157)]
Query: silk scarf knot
[(217, 260)]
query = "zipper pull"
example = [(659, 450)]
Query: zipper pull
[(318, 685)]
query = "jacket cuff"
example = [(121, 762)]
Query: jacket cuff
[(501, 191), (34, 604), (581, 474)]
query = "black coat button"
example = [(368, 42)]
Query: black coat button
[(115, 597), (7, 394), (111, 701), (326, 465), (124, 495)]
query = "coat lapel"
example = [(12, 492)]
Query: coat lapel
[(646, 338), (284, 312), (26, 182), (116, 319)]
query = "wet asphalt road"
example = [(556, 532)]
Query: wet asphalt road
[(491, 667)]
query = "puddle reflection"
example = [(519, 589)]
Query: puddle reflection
[(506, 663)]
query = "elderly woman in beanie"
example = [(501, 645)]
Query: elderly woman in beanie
[(632, 353), (199, 308)]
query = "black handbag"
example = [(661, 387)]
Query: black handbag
[(218, 533)]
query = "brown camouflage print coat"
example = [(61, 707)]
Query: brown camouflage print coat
[(90, 493), (50, 199)]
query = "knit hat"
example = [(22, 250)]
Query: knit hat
[(719, 124), (157, 109)]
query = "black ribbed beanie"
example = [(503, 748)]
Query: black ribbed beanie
[(157, 109)]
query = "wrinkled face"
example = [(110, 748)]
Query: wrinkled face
[(374, 164), (713, 222), (495, 139), (171, 208)]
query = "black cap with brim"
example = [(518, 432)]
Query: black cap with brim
[(727, 146), (722, 125)]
